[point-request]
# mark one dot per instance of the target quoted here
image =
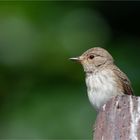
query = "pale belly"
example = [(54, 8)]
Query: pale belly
[(101, 88)]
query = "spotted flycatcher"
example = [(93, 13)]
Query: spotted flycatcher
[(104, 79)]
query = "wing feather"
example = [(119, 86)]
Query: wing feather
[(125, 82)]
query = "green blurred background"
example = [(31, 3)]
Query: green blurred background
[(42, 93)]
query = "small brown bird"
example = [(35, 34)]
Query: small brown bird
[(103, 78)]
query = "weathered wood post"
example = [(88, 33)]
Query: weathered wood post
[(119, 119)]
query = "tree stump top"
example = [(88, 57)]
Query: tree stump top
[(119, 119)]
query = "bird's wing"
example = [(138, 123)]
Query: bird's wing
[(125, 82)]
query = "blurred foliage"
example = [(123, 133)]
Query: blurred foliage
[(43, 94)]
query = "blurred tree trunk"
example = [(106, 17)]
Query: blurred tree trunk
[(119, 119)]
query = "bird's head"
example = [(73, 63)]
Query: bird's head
[(94, 58)]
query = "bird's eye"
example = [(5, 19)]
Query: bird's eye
[(91, 56)]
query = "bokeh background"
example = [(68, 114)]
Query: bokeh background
[(42, 93)]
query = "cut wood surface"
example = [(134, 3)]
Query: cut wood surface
[(119, 119)]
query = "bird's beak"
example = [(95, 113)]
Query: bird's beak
[(77, 59)]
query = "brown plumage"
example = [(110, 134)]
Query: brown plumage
[(103, 78), (125, 82)]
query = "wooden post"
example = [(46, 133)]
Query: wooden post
[(119, 119)]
